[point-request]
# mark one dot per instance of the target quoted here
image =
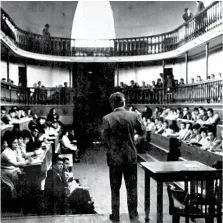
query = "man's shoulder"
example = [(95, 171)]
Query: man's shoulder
[(120, 112)]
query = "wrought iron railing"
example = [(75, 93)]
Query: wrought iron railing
[(206, 20), (204, 92)]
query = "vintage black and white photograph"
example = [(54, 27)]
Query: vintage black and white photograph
[(111, 111)]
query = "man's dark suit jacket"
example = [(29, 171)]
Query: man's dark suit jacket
[(118, 132)]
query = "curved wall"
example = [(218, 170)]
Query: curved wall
[(130, 18)]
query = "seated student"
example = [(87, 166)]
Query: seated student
[(211, 140), (202, 115), (179, 113), (66, 142), (159, 127), (56, 125), (212, 118), (156, 113), (166, 129), (10, 118), (21, 153), (52, 115), (34, 137), (186, 113), (55, 188), (147, 112), (188, 132), (195, 136), (150, 126), (203, 141), (40, 124), (218, 145), (165, 112), (10, 167), (181, 134), (195, 114), (72, 136)]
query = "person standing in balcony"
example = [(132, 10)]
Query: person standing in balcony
[(187, 15), (200, 6), (200, 17), (46, 38)]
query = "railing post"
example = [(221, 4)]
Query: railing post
[(117, 75), (206, 58)]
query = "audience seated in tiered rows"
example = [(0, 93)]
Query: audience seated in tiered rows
[(196, 128)]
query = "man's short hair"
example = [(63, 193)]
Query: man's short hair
[(210, 110), (57, 159), (117, 99), (65, 159), (185, 10), (47, 25), (196, 126)]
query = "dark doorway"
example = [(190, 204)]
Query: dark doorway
[(93, 82), (22, 77)]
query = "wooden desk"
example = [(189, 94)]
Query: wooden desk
[(36, 171), (169, 172), (5, 128)]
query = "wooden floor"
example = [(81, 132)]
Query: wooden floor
[(93, 173)]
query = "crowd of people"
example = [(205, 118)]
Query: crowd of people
[(197, 127), (21, 148), (168, 82)]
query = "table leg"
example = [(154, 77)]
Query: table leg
[(147, 196), (159, 202)]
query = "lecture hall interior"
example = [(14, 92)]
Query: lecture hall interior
[(61, 61)]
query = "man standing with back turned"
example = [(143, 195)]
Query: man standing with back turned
[(118, 133)]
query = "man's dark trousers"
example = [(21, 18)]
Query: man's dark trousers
[(129, 171)]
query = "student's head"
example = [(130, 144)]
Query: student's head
[(203, 132), (26, 136), (196, 111), (52, 111), (47, 26), (153, 82), (143, 83), (39, 83), (149, 120), (58, 164), (182, 125), (213, 76), (202, 111), (132, 82), (165, 124), (198, 78), (181, 80), (188, 125), (187, 10), (160, 121), (156, 121), (185, 110), (178, 110), (192, 80), (3, 111), (117, 100), (157, 109), (41, 120), (12, 113), (65, 84), (35, 131), (210, 112), (210, 135), (13, 142), (65, 132), (146, 108), (195, 129), (66, 163), (19, 136)]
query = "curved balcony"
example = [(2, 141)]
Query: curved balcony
[(207, 20)]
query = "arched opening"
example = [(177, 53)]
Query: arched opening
[(93, 24)]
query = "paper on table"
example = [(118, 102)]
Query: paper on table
[(190, 165)]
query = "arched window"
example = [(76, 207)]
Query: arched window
[(93, 24)]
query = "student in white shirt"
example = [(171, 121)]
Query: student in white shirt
[(66, 142), (150, 126), (166, 129), (212, 118), (203, 141)]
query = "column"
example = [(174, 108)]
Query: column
[(117, 75), (186, 66), (206, 58), (8, 56)]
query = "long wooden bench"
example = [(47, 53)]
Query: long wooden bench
[(188, 152)]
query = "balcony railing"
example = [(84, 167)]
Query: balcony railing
[(204, 92), (206, 20), (36, 96)]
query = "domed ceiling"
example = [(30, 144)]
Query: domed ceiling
[(131, 18)]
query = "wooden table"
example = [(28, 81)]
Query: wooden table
[(170, 172)]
